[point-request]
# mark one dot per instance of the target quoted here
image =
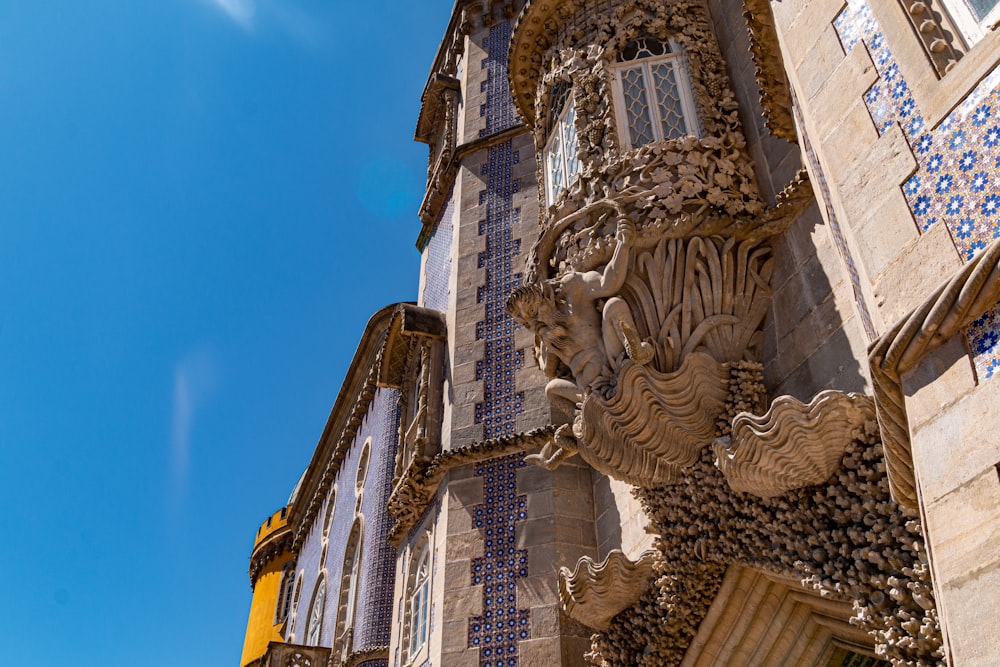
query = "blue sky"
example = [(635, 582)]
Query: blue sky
[(201, 204)]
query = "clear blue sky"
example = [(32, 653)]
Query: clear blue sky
[(201, 204)]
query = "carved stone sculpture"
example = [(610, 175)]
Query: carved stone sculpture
[(647, 376), (793, 444), (973, 290), (594, 593)]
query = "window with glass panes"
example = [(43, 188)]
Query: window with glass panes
[(419, 594), (974, 18), (561, 163), (653, 96)]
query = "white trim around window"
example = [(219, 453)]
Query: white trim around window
[(659, 74), (560, 155)]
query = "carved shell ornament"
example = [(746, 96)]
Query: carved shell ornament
[(594, 593), (794, 444)]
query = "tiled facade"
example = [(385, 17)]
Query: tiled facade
[(958, 176), (438, 265), (846, 270), (374, 596)]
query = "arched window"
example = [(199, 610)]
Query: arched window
[(418, 598), (314, 630), (653, 95), (295, 605), (285, 587), (560, 155), (347, 601), (366, 452)]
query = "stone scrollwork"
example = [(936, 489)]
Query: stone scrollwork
[(594, 593), (793, 444)]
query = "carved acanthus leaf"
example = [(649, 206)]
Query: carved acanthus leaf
[(594, 593), (792, 445)]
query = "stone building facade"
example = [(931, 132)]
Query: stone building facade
[(700, 369)]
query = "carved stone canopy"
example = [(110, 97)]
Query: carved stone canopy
[(408, 321)]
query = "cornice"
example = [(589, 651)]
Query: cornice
[(443, 177), (349, 409), (274, 545), (416, 487)]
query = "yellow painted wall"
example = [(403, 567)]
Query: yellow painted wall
[(261, 629)]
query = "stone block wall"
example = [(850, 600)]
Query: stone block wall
[(906, 162)]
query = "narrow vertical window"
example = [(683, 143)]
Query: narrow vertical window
[(653, 95), (560, 155), (285, 588), (419, 598), (315, 628)]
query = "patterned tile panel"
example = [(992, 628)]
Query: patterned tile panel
[(501, 361), (437, 270), (957, 182), (378, 559), (499, 108), (503, 624), (497, 632)]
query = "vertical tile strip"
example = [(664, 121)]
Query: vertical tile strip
[(957, 181)]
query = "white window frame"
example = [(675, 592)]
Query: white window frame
[(556, 150), (419, 602), (317, 610), (688, 108), (973, 29)]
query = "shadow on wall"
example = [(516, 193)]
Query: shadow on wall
[(812, 337)]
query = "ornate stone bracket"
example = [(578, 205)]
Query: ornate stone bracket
[(973, 290), (793, 444), (594, 593), (416, 487)]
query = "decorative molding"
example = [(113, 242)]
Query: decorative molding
[(970, 292), (277, 544), (347, 415), (792, 445), (415, 489), (775, 93), (594, 593), (935, 31)]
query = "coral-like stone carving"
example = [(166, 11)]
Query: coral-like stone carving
[(793, 444), (973, 290), (775, 94), (846, 540), (594, 593)]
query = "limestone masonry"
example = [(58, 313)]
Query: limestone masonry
[(701, 367)]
